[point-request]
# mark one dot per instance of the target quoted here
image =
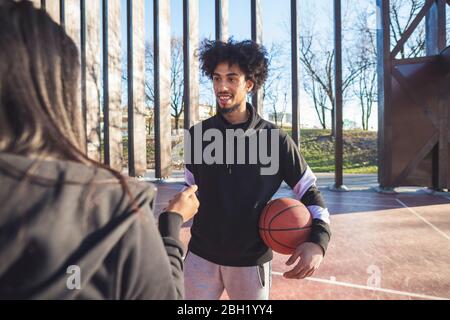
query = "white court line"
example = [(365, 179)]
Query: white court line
[(424, 220), (356, 286), (348, 195), (361, 205)]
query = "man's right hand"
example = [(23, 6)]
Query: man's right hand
[(185, 203)]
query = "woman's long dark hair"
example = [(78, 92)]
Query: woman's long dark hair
[(40, 115)]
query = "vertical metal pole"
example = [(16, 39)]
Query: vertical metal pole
[(131, 164), (435, 42), (256, 21), (106, 124), (187, 64), (221, 21), (157, 109), (73, 28), (83, 63), (435, 37), (191, 64), (384, 95), (257, 30), (162, 88), (294, 74), (113, 71), (218, 20), (62, 13), (93, 76), (137, 113), (43, 5), (338, 146)]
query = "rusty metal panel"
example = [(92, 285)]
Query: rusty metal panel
[(444, 103), (413, 104), (415, 121)]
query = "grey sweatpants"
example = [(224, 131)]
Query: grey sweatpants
[(205, 280)]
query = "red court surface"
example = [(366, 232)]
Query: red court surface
[(383, 246)]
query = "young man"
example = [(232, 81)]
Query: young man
[(227, 159)]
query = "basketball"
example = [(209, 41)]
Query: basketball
[(284, 224)]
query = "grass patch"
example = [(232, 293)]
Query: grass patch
[(360, 150)]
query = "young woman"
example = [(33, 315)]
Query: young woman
[(70, 227)]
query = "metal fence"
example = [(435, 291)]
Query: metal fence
[(80, 18)]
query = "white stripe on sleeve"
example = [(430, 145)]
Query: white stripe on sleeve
[(320, 213), (307, 181)]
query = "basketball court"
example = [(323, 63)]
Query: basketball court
[(384, 246)]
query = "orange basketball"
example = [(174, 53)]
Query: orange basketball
[(284, 224)]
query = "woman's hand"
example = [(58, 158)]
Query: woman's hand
[(185, 203)]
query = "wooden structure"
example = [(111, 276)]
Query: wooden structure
[(413, 130)]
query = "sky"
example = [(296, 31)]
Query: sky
[(317, 14)]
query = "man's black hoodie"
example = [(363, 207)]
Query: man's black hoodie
[(232, 194)]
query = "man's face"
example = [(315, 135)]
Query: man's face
[(230, 86)]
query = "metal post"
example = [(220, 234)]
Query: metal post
[(62, 13), (221, 21), (295, 72), (191, 68), (91, 70), (106, 126), (113, 89), (384, 95), (137, 133), (162, 88), (130, 69), (338, 146), (83, 64), (257, 30), (435, 42)]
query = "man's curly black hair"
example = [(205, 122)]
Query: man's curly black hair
[(248, 55)]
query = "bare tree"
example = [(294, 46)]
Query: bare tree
[(364, 58), (318, 63), (319, 97), (366, 92), (276, 84), (176, 79), (403, 13)]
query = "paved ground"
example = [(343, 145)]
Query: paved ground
[(384, 246)]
